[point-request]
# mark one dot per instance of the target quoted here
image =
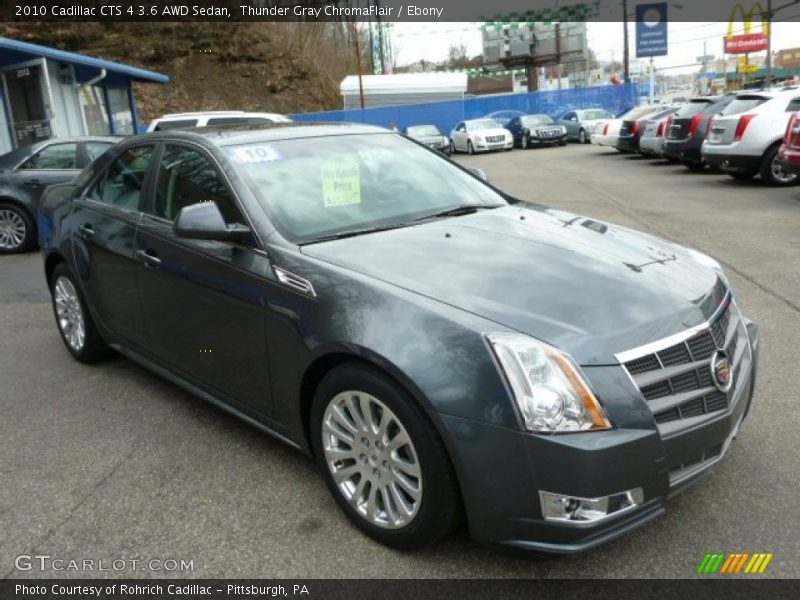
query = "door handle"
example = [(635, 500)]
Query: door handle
[(32, 182), (149, 258), (86, 231)]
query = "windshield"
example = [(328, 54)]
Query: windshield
[(423, 130), (346, 183), (482, 124), (535, 120), (594, 115)]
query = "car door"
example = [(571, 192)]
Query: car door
[(515, 127), (104, 220), (460, 137), (203, 300), (570, 121), (54, 163)]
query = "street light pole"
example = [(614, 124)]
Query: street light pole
[(769, 44), (625, 52)]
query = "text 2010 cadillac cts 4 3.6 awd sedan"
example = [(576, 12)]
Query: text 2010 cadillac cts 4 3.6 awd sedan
[(438, 347)]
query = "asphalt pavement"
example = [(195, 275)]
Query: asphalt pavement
[(110, 462)]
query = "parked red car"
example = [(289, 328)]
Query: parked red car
[(789, 155)]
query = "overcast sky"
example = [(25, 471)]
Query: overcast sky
[(414, 41)]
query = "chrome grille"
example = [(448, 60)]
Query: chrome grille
[(677, 380), (548, 133), (494, 139)]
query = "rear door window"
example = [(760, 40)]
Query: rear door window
[(743, 104), (54, 157), (691, 109), (96, 149), (122, 183)]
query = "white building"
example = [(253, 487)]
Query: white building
[(403, 88)]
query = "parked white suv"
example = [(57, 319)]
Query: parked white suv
[(480, 135), (744, 139), (211, 118)]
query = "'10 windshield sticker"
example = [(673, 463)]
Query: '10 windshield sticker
[(259, 153)]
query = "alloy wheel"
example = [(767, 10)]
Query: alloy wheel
[(780, 174), (12, 229), (69, 313), (582, 136), (524, 142), (372, 459)]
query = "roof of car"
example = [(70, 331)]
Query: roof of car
[(217, 113), (227, 135)]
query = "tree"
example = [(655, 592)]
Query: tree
[(457, 56)]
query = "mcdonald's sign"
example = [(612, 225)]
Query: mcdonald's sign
[(748, 41)]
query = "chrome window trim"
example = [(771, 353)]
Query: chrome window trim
[(677, 338)]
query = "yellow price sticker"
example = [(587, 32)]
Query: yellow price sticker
[(341, 182)]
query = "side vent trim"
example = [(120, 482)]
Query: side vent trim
[(294, 282)]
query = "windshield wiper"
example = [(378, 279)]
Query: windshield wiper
[(354, 232), (464, 209)]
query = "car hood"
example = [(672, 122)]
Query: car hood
[(587, 287)]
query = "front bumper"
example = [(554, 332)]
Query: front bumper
[(501, 471), (485, 146)]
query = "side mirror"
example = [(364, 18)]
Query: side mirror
[(204, 221), (479, 173)]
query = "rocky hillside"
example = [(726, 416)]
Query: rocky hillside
[(275, 67)]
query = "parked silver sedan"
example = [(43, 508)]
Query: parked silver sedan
[(653, 135), (580, 124)]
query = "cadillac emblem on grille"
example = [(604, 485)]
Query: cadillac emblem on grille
[(721, 371)]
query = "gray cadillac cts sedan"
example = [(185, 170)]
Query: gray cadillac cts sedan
[(442, 350)]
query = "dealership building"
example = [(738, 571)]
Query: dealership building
[(47, 93)]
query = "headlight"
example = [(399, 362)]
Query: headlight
[(445, 141), (547, 385), (563, 129)]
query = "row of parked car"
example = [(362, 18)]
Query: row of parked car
[(505, 130), (744, 134)]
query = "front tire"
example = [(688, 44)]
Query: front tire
[(470, 149), (17, 230), (75, 324), (524, 143), (772, 173), (452, 147), (582, 136), (382, 459)]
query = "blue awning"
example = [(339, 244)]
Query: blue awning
[(86, 67)]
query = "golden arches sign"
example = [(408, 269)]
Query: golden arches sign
[(748, 41), (747, 18)]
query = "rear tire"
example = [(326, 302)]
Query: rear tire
[(772, 173), (74, 321), (357, 415), (17, 229)]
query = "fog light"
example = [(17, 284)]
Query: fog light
[(574, 509)]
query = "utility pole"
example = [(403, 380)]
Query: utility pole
[(768, 81), (625, 52), (380, 37), (358, 64)]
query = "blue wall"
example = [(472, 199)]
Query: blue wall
[(614, 98)]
